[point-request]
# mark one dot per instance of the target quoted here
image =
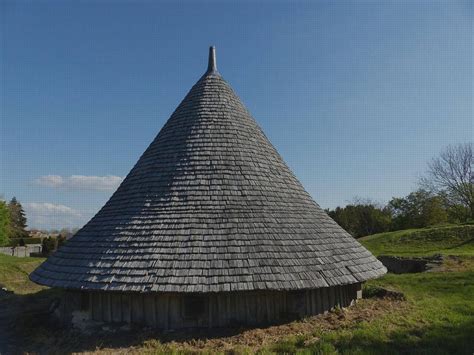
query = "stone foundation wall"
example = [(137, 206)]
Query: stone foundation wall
[(401, 265)]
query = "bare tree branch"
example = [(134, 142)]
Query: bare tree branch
[(451, 173)]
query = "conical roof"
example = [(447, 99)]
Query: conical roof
[(210, 206)]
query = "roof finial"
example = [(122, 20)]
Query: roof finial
[(212, 66)]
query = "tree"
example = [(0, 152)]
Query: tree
[(51, 244), (457, 213), (4, 223), (48, 245), (433, 212), (417, 210), (17, 219), (452, 174), (362, 218), (66, 233)]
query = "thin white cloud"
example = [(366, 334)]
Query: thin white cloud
[(81, 182), (50, 180), (49, 215), (48, 208)]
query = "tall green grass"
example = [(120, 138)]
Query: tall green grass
[(440, 320), (449, 240), (14, 273)]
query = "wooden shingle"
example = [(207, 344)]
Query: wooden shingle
[(210, 206)]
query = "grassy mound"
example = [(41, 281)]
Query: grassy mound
[(14, 273), (449, 240)]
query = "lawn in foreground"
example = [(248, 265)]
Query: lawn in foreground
[(437, 317), (440, 319)]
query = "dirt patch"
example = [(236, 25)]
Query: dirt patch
[(27, 327), (227, 340), (381, 292), (453, 263)]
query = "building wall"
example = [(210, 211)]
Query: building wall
[(22, 252), (174, 311)]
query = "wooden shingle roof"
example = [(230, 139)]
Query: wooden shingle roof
[(210, 206)]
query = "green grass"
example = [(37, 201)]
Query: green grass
[(448, 240), (14, 273), (440, 319)]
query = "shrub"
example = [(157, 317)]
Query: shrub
[(23, 241), (51, 244)]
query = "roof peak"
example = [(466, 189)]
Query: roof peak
[(212, 66), (210, 206)]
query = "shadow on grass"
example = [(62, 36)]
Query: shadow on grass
[(20, 314), (30, 327)]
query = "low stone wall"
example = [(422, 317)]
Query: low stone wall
[(22, 252), (400, 265)]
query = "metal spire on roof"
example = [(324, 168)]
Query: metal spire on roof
[(212, 66), (166, 209)]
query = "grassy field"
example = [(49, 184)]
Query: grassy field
[(14, 273), (448, 240), (435, 316)]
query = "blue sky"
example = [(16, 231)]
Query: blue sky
[(356, 95)]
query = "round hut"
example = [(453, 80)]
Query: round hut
[(210, 228)]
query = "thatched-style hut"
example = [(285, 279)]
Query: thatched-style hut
[(210, 228)]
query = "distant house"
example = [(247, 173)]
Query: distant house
[(34, 233), (210, 228)]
